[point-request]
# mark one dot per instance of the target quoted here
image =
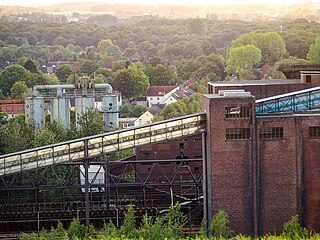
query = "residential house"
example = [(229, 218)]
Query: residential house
[(143, 119), (157, 94)]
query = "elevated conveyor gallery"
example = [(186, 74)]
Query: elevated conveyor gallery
[(296, 102), (98, 145)]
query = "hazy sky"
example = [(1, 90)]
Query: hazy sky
[(52, 2)]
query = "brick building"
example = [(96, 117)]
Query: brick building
[(260, 169)]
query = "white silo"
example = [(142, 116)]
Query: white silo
[(60, 111), (110, 111), (34, 111)]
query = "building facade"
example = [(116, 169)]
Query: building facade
[(261, 170)]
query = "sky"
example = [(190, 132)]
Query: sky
[(182, 2)]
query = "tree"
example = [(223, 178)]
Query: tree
[(161, 75), (43, 137), (219, 225), (12, 74), (48, 79), (243, 58), (88, 67), (175, 222), (128, 228), (18, 89), (314, 51), (131, 82), (32, 66), (102, 45), (271, 44), (63, 72), (17, 134), (90, 122), (197, 26), (298, 42)]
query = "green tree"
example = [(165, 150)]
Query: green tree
[(161, 75), (131, 82), (43, 137), (63, 72), (12, 74), (314, 51), (197, 26), (271, 44), (219, 225), (102, 45), (77, 230), (17, 134), (298, 42), (88, 67), (90, 123), (48, 79), (18, 89), (128, 228), (243, 58), (175, 221), (31, 65)]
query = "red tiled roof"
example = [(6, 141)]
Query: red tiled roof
[(159, 90)]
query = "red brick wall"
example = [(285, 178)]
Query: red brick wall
[(310, 151), (279, 174), (230, 164)]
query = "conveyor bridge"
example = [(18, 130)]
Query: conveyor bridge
[(98, 145), (296, 102)]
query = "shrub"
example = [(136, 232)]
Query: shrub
[(219, 225), (293, 230)]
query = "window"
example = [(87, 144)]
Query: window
[(314, 132), (238, 133), (308, 78), (271, 133), (238, 112), (181, 145)]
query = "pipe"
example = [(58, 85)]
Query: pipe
[(104, 85), (68, 86), (50, 87)]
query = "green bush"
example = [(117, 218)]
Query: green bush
[(293, 230), (219, 225)]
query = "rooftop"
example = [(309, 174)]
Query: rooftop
[(255, 82), (159, 90)]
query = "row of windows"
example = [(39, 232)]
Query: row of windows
[(266, 133)]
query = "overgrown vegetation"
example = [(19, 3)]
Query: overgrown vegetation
[(167, 227)]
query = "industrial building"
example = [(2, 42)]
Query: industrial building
[(256, 158)]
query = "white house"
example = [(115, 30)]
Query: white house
[(157, 94)]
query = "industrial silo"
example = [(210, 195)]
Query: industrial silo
[(110, 110), (34, 111), (82, 104), (60, 111)]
